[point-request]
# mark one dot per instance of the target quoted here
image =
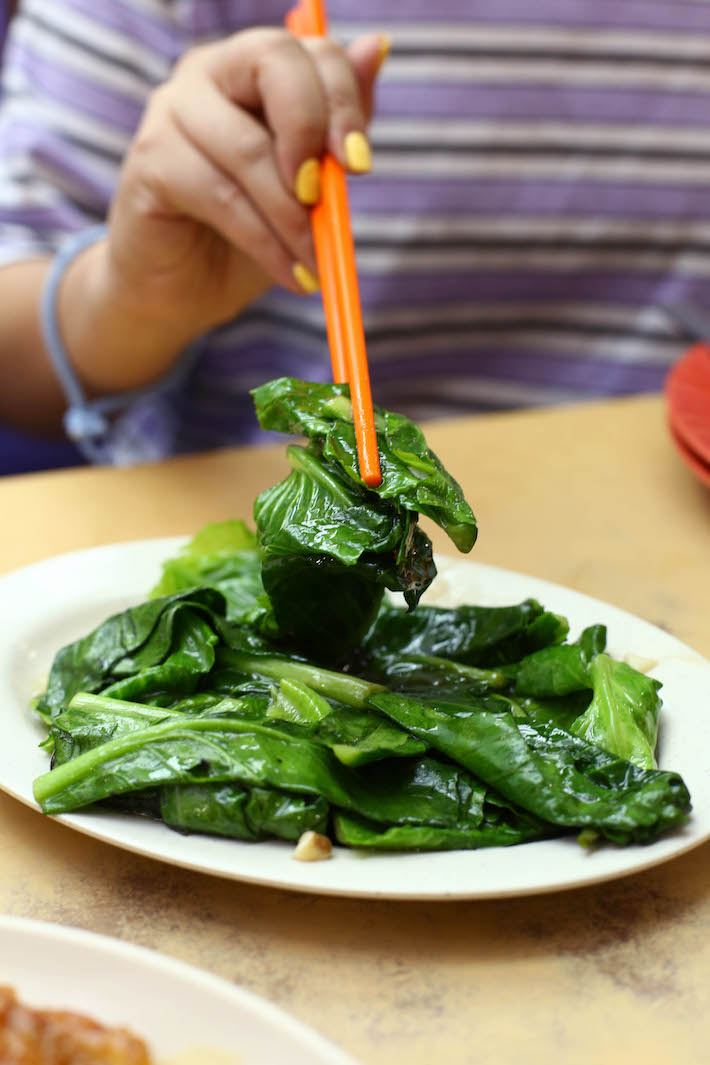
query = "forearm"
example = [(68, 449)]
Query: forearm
[(30, 395), (114, 337), (113, 341)]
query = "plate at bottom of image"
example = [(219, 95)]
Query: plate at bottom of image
[(177, 1010)]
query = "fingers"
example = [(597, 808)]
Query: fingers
[(269, 74), (367, 56), (308, 94), (346, 117), (233, 140), (169, 173), (241, 148)]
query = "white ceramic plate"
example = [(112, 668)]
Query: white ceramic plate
[(55, 601), (173, 1007)]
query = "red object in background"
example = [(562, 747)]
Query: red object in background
[(700, 468), (688, 396)]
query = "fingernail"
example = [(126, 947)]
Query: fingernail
[(384, 47), (307, 183), (357, 152), (308, 282)]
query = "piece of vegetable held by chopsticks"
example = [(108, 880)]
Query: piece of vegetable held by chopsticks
[(330, 544)]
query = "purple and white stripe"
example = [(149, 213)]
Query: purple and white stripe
[(540, 195)]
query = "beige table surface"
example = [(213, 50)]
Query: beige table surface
[(592, 497)]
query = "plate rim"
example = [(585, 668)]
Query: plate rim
[(267, 1013)]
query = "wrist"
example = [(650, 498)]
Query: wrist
[(189, 288), (115, 338)]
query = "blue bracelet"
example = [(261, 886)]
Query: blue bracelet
[(84, 423), (87, 422)]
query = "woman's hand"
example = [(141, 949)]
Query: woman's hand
[(212, 201), (211, 209)]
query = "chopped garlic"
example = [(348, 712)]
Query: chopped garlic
[(312, 847)]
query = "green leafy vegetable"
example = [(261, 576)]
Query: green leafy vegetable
[(559, 670), (126, 644), (207, 750), (267, 687), (226, 809), (355, 831), (412, 475), (225, 556), (356, 737), (544, 770), (473, 635), (330, 544), (624, 712)]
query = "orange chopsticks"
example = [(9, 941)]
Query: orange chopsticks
[(335, 253)]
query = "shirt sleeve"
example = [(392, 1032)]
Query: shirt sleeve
[(74, 86), (76, 77)]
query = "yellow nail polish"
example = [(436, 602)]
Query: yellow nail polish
[(384, 47), (308, 282), (357, 152), (307, 183)]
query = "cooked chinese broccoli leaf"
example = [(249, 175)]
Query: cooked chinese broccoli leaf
[(413, 478), (330, 544), (624, 712), (225, 556), (544, 778)]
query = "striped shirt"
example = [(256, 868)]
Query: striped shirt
[(540, 195)]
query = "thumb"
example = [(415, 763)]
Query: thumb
[(367, 55)]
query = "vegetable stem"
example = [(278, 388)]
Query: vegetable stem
[(299, 459), (68, 773), (492, 678), (353, 691), (87, 701)]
